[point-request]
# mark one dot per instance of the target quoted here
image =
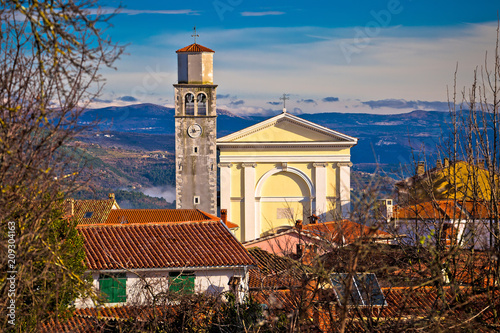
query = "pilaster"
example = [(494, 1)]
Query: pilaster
[(320, 183), (225, 189), (344, 176), (251, 229)]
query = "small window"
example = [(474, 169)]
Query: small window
[(113, 287), (202, 104), (189, 104), (88, 215), (181, 282), (196, 200), (195, 150)]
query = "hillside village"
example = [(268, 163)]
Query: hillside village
[(265, 221), (312, 167)]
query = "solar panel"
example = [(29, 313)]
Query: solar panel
[(365, 289)]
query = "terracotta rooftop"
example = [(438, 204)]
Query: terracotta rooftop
[(164, 245), (481, 210), (135, 216), (195, 48), (439, 209), (273, 271), (92, 211), (74, 324), (345, 231), (138, 216)]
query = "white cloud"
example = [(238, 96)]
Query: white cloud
[(111, 10), (260, 64), (268, 13)]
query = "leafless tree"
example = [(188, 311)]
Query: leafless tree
[(50, 54)]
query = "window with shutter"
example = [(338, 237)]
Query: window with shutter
[(182, 282), (113, 287)]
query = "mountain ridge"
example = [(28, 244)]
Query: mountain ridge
[(386, 139)]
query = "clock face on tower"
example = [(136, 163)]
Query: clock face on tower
[(194, 130)]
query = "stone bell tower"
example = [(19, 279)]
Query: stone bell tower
[(196, 130)]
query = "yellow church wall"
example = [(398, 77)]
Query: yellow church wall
[(289, 151), (285, 184), (237, 216), (333, 212), (306, 168), (262, 169), (331, 176), (236, 181), (286, 132), (276, 214)]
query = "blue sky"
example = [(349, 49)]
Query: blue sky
[(329, 56)]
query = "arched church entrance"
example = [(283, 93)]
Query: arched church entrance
[(283, 196)]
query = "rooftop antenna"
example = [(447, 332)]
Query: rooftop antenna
[(195, 34), (284, 98)]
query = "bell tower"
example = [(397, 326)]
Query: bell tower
[(196, 130)]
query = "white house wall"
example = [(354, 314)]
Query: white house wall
[(212, 281)]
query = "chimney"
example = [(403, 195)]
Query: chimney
[(111, 196), (481, 162), (313, 219), (308, 254), (223, 215), (439, 164), (71, 206), (298, 224), (446, 162), (420, 168)]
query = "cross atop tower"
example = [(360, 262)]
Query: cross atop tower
[(195, 34), (284, 99)]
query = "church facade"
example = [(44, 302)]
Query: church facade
[(282, 170), (271, 174)]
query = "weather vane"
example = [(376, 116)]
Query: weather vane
[(284, 98), (195, 34)]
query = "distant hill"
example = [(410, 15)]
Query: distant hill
[(385, 139)]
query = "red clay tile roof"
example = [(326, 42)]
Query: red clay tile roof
[(476, 271), (276, 299), (439, 209), (107, 319), (231, 225), (119, 216), (134, 216), (116, 312), (481, 210), (100, 210), (135, 246), (421, 302), (126, 318), (345, 231), (74, 324), (273, 271), (195, 48)]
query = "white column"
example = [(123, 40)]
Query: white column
[(225, 188), (345, 187), (320, 184), (251, 227)]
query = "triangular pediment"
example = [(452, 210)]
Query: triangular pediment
[(286, 128)]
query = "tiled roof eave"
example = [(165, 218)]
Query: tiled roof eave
[(141, 223), (187, 268), (195, 48)]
